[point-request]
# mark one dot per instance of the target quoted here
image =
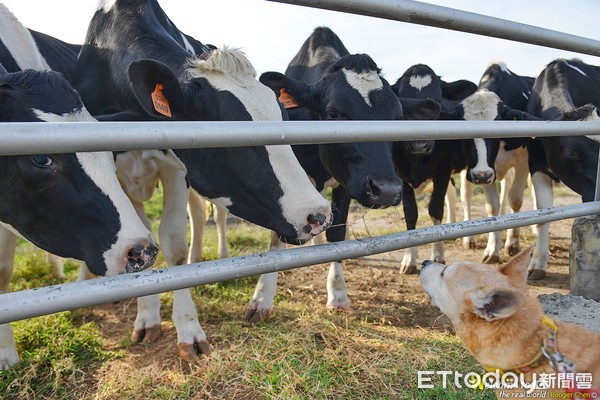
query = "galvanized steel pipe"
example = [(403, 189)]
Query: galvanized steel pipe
[(53, 137), (415, 12), (51, 299)]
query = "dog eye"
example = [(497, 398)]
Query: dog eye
[(443, 271)]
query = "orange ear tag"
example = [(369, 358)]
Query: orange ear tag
[(287, 99), (160, 102)]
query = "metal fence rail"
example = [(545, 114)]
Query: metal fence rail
[(416, 12), (51, 299), (54, 137)]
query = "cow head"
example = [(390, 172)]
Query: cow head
[(351, 89), (68, 204), (482, 105), (264, 185)]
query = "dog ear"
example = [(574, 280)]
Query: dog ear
[(516, 268), (495, 304)]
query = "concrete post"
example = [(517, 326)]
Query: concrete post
[(584, 257)]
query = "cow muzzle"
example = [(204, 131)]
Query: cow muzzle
[(317, 223), (420, 147), (141, 256), (482, 177), (382, 192)]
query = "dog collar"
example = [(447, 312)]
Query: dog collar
[(548, 353)]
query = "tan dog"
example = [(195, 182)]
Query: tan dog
[(505, 328)]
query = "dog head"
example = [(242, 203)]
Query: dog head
[(469, 291)]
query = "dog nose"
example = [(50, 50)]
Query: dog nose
[(426, 263)]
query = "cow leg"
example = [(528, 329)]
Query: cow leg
[(191, 339), (337, 295), (515, 200), (146, 326), (538, 265), (261, 305), (491, 254), (172, 230), (411, 214), (466, 197), (8, 348), (436, 211), (196, 209), (84, 272), (58, 263), (450, 201), (220, 215)]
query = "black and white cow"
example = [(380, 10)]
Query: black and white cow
[(324, 82), (567, 90), (136, 65), (419, 162), (516, 158), (68, 204)]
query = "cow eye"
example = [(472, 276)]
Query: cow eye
[(333, 115), (41, 160)]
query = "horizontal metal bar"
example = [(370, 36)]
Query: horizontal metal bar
[(53, 137), (51, 299), (448, 18)]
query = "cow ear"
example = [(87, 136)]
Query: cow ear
[(495, 304), (156, 88), (457, 90), (290, 92), (509, 114), (452, 114), (420, 109)]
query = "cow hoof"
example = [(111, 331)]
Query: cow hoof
[(255, 315), (439, 260), (469, 243), (146, 335), (8, 360), (339, 305), (513, 250), (189, 351), (408, 269), (491, 259), (536, 274)]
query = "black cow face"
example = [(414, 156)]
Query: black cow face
[(351, 89), (68, 204)]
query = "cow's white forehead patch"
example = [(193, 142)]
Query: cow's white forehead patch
[(481, 106), (229, 70), (76, 115), (420, 81), (105, 5), (364, 83)]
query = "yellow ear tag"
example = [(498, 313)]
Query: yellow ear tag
[(287, 99), (160, 102)]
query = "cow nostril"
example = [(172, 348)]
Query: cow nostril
[(374, 189), (136, 250), (316, 219)]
